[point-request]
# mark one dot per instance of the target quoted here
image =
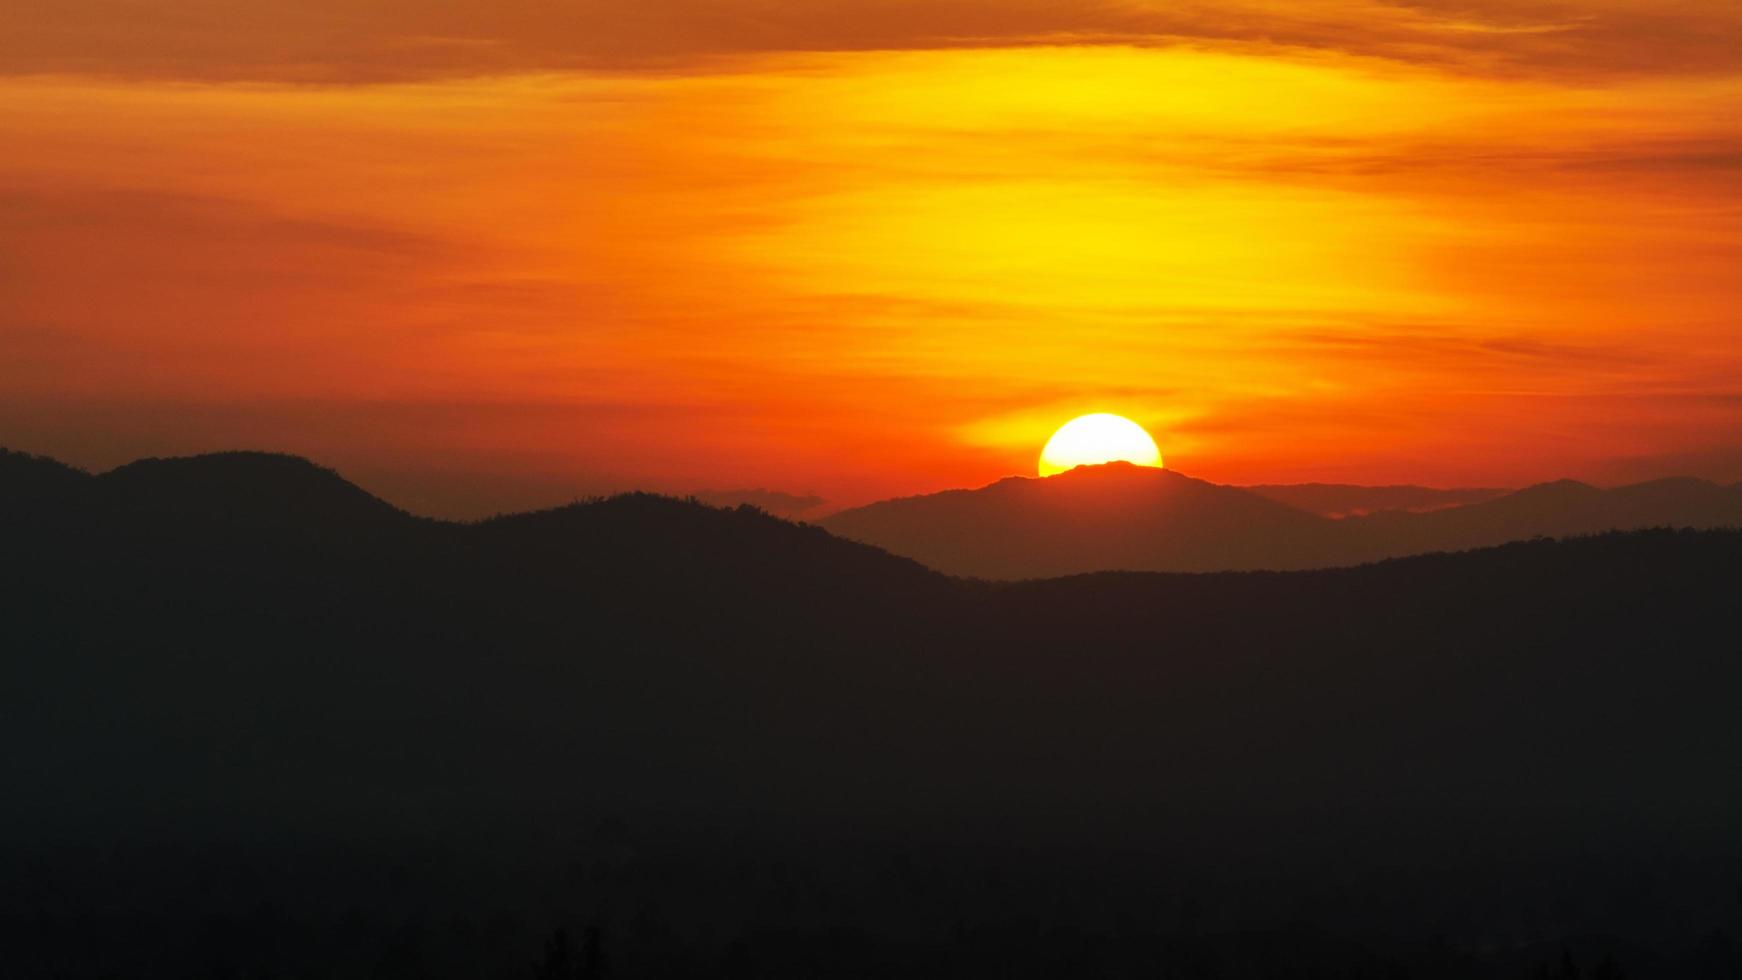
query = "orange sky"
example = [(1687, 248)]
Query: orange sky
[(492, 255)]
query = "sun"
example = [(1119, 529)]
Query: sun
[(1099, 438)]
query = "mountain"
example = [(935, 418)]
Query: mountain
[(1122, 517), (28, 482), (1558, 509), (257, 723), (1092, 518), (220, 506), (243, 488), (1345, 500), (324, 628)]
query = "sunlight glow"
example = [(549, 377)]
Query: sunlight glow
[(870, 273), (1090, 440)]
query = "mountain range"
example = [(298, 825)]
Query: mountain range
[(1123, 517), (260, 723)]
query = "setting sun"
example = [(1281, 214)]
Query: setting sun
[(449, 445), (1099, 438)]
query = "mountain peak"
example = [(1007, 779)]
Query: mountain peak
[(26, 480), (1117, 467), (1091, 518), (243, 486), (236, 461), (1117, 516)]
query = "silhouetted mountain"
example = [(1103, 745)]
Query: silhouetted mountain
[(28, 481), (1092, 518), (1344, 500), (259, 724), (665, 543), (1123, 517), (215, 507), (1555, 509), (243, 489)]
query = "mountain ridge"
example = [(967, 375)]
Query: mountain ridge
[(1108, 518), (1012, 529), (710, 681), (1088, 519), (739, 648)]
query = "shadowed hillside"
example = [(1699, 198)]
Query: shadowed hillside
[(1123, 517), (261, 724)]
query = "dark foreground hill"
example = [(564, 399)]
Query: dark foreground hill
[(1131, 518), (259, 724)]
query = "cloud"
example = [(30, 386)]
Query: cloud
[(174, 219), (147, 290), (340, 41), (1457, 349)]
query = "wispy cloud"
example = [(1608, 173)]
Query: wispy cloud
[(377, 40)]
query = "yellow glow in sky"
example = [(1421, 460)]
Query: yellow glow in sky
[(1417, 250), (1090, 440)]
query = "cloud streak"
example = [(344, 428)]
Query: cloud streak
[(354, 41)]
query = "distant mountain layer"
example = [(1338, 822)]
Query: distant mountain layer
[(1096, 518), (1550, 510), (1123, 517), (1345, 500)]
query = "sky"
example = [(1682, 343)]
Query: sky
[(482, 256)]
